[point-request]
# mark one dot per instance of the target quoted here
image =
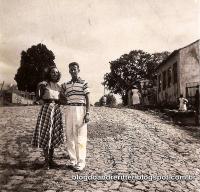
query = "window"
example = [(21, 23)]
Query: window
[(169, 76), (164, 80), (175, 72)]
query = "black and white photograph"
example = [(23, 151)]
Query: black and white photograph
[(99, 96)]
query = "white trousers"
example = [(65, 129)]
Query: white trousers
[(76, 133)]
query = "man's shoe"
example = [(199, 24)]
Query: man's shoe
[(71, 165), (79, 167), (46, 166), (53, 164)]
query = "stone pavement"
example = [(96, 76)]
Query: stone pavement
[(121, 143)]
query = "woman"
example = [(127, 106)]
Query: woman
[(135, 97), (49, 128), (182, 103)]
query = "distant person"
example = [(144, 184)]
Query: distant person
[(49, 133), (135, 97), (182, 103), (77, 113)]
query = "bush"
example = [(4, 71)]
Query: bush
[(108, 100), (111, 100), (97, 104)]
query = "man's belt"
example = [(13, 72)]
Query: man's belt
[(76, 104), (50, 101)]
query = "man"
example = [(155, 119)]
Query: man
[(76, 93)]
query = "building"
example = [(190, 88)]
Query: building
[(179, 74), (9, 95)]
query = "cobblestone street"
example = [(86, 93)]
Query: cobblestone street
[(120, 142)]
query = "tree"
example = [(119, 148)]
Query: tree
[(33, 65), (110, 100), (154, 61), (103, 100), (97, 104), (129, 69)]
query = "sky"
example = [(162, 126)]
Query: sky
[(93, 32)]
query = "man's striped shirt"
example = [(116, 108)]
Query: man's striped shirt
[(75, 92)]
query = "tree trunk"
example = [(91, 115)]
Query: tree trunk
[(125, 99)]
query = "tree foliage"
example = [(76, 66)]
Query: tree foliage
[(32, 68), (129, 69), (110, 100), (152, 64), (102, 100)]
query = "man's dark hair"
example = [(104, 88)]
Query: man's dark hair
[(74, 64)]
